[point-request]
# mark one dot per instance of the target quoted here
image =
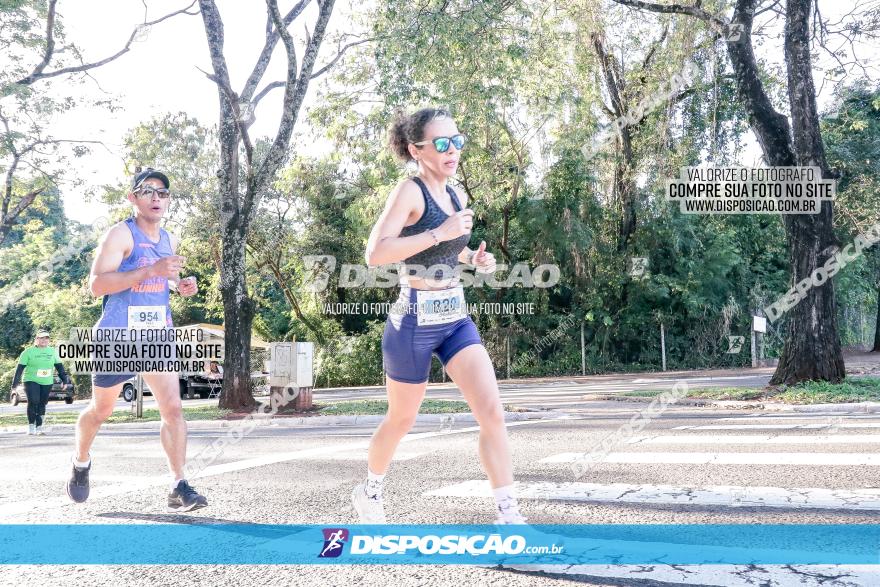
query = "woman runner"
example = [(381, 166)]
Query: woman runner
[(426, 223)]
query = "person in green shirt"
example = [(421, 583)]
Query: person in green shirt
[(37, 363)]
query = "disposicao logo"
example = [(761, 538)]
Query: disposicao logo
[(334, 541), (432, 544)]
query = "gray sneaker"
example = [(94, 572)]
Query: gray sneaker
[(184, 498), (78, 485)]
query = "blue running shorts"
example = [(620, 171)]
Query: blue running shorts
[(407, 346)]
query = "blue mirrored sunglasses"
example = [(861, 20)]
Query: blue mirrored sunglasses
[(442, 143)]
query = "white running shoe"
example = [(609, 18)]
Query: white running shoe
[(39, 431), (514, 519), (32, 429), (558, 539), (370, 510)]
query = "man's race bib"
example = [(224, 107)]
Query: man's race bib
[(140, 317), (44, 372), (440, 307)]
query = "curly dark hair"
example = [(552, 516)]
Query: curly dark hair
[(410, 128)]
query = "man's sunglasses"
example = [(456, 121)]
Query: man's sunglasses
[(146, 193), (442, 143)]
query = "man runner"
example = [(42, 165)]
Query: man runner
[(134, 264)]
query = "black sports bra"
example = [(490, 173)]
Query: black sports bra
[(446, 253)]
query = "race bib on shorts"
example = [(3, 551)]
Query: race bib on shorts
[(440, 307), (44, 372), (140, 317)]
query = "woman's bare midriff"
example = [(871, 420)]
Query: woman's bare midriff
[(433, 284)]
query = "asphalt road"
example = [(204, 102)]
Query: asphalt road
[(561, 394), (691, 465)]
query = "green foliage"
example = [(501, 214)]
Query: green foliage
[(524, 84), (17, 332), (352, 360), (7, 372)]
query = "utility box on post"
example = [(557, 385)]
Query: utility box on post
[(290, 372)]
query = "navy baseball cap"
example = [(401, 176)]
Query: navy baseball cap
[(141, 176)]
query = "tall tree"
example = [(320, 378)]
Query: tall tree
[(31, 157), (812, 345), (243, 186), (850, 130)]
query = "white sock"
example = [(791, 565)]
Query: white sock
[(174, 484), (81, 465), (505, 504), (373, 486)]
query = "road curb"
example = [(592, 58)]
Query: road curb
[(863, 407), (856, 407), (311, 421)]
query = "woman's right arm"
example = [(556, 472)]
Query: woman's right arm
[(19, 369), (386, 246)]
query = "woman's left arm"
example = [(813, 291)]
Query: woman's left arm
[(60, 368)]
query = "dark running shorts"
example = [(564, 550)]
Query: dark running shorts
[(407, 347)]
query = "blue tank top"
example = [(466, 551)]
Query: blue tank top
[(150, 295)]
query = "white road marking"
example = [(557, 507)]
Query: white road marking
[(726, 575), (760, 439), (803, 416), (99, 491), (826, 424), (713, 495), (716, 458)]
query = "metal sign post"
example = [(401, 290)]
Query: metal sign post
[(139, 389), (759, 327)]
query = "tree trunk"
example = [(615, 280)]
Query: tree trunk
[(812, 346), (237, 307), (876, 348), (624, 183), (238, 313)]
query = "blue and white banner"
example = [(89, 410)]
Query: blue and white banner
[(737, 544)]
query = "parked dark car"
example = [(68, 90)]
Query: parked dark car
[(129, 392), (19, 396), (190, 387)]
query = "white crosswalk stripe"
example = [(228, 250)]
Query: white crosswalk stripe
[(727, 575), (826, 423), (716, 495), (809, 416), (735, 431), (759, 439), (715, 458)]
